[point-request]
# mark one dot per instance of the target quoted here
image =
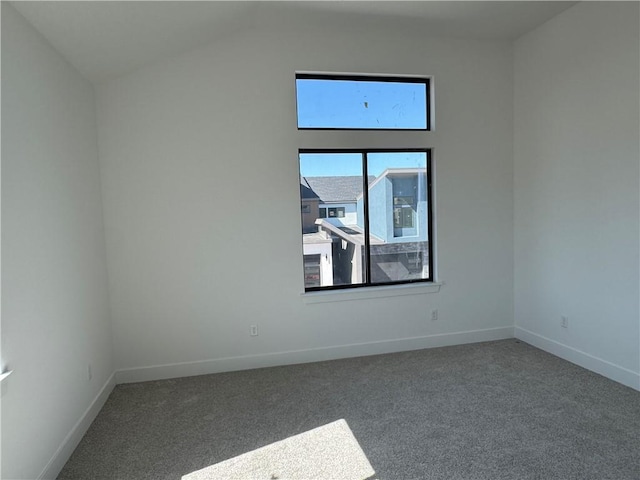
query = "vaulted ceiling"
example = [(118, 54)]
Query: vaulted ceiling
[(104, 39)]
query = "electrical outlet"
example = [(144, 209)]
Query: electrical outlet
[(434, 315), (253, 331), (564, 322)]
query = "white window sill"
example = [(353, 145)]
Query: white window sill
[(370, 292)]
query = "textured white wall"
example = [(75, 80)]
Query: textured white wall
[(576, 187), (54, 289), (192, 148)]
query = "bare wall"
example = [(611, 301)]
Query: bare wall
[(55, 319), (577, 177), (200, 182)]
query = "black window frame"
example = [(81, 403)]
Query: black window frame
[(371, 78), (367, 239)]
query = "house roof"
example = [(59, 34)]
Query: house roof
[(342, 189), (393, 172), (353, 233), (306, 193)]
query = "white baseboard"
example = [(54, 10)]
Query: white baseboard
[(73, 438), (603, 367), (158, 372), (228, 364)]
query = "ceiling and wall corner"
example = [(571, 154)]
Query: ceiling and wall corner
[(104, 40)]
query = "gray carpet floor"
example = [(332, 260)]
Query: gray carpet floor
[(494, 410)]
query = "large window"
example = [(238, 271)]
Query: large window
[(382, 236), (372, 219)]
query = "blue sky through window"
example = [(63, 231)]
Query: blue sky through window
[(370, 102), (348, 164), (360, 104)]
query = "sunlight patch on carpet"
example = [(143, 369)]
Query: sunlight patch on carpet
[(329, 452)]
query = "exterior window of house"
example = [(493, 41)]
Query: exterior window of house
[(381, 232), (336, 212), (306, 208), (378, 237), (311, 271), (403, 212), (403, 217)]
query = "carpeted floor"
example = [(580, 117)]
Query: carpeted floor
[(495, 410)]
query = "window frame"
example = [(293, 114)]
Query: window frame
[(310, 264), (402, 219), (370, 78), (402, 206), (367, 241), (337, 211)]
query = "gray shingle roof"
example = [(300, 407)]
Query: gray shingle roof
[(305, 190), (333, 189)]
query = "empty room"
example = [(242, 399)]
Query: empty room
[(445, 283)]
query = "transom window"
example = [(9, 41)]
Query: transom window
[(348, 102)]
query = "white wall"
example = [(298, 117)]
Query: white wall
[(576, 187), (192, 148), (54, 298)]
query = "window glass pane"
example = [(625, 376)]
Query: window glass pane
[(398, 218), (331, 184), (364, 103), (311, 271)]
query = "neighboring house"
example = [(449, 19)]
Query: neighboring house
[(397, 224), (398, 217), (309, 207), (397, 206), (337, 197), (318, 259), (329, 201)]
